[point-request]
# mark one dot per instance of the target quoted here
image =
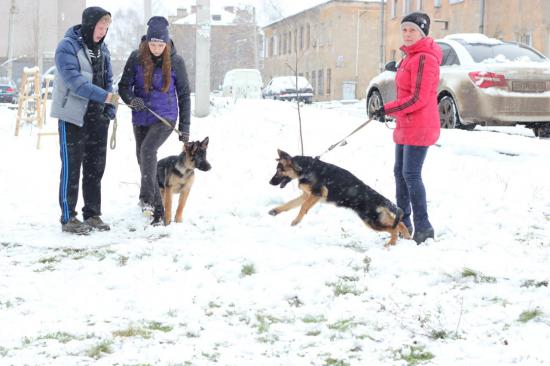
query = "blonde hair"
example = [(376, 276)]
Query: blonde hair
[(105, 19)]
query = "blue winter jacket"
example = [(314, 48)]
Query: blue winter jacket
[(73, 87)]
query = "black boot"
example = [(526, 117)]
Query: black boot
[(158, 217), (421, 236)]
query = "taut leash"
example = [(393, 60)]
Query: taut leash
[(345, 138)]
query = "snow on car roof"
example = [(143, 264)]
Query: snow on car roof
[(473, 38), (289, 82)]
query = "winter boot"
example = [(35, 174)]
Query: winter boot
[(146, 208), (421, 236), (75, 226), (158, 217), (95, 222)]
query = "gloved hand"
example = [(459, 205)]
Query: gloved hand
[(184, 137), (379, 114), (137, 104)]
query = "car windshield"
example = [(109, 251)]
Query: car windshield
[(289, 82), (502, 52)]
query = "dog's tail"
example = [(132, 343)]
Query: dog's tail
[(398, 217)]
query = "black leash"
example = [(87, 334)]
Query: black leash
[(174, 129), (340, 143)]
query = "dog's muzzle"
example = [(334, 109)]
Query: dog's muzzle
[(282, 181), (204, 166)]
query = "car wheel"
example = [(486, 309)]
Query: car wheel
[(448, 115), (374, 102), (543, 130)]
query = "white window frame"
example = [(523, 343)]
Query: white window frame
[(394, 8), (407, 7), (437, 3)]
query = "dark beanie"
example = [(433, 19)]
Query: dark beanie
[(158, 30), (419, 20)]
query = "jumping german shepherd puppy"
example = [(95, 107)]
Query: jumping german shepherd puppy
[(176, 174), (322, 181)]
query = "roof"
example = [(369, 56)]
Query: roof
[(321, 5)]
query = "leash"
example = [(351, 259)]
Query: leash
[(340, 143), (162, 119)]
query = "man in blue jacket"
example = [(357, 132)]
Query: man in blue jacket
[(81, 101)]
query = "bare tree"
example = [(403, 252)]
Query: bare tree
[(126, 31)]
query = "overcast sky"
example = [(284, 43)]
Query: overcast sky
[(168, 7)]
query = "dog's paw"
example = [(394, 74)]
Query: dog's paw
[(295, 222), (273, 212)]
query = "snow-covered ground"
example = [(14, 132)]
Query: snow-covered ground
[(232, 285)]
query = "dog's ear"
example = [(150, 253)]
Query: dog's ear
[(296, 166), (204, 143), (187, 146), (283, 155)]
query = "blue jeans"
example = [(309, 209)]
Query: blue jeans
[(409, 188)]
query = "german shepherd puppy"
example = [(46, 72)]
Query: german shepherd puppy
[(322, 181), (176, 174)]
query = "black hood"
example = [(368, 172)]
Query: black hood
[(90, 17)]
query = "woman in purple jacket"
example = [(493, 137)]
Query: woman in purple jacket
[(155, 79)]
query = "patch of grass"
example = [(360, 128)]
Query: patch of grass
[(48, 268), (265, 321), (122, 260), (62, 337), (533, 283), (342, 325), (335, 362), (528, 315), (313, 333), (133, 332), (439, 334), (99, 349), (314, 319), (3, 351), (248, 270), (214, 356), (478, 276), (414, 355), (343, 287), (49, 260), (172, 313), (154, 325)]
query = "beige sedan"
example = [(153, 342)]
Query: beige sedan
[(483, 81)]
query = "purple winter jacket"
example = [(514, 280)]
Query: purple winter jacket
[(170, 105)]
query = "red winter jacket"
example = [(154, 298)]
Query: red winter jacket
[(416, 107)]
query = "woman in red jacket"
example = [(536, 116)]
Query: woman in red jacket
[(417, 115)]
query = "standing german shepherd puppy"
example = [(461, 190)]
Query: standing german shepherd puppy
[(175, 174), (323, 181)]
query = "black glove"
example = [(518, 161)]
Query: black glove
[(379, 114), (184, 137), (137, 104)]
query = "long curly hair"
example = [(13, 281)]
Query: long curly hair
[(146, 59)]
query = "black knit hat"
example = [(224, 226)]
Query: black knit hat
[(158, 29), (418, 20)]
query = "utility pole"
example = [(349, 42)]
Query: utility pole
[(382, 42), (147, 12), (482, 17), (10, 39), (202, 62)]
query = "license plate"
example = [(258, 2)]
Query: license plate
[(529, 86)]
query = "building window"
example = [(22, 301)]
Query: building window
[(290, 42), (455, 1), (393, 55), (329, 81), (285, 40), (270, 47), (320, 82), (274, 41), (295, 40), (437, 3), (406, 6), (394, 8), (526, 38), (313, 79), (308, 36), (418, 4), (279, 44), (301, 37)]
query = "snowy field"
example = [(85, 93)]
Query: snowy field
[(232, 285)]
